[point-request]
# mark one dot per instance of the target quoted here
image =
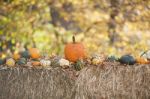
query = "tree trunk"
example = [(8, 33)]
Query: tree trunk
[(112, 24)]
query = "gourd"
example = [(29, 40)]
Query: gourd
[(98, 59), (142, 60), (45, 63), (112, 58), (10, 62), (35, 63), (16, 56), (22, 61), (146, 54), (127, 59), (34, 53), (2, 61), (64, 63), (25, 54), (79, 64)]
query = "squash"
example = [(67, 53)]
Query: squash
[(25, 54), (34, 53), (64, 63), (10, 62), (142, 60), (127, 59), (95, 61), (79, 64), (112, 58), (55, 61), (74, 51), (21, 61), (16, 56), (98, 59), (35, 63), (2, 61), (45, 63)]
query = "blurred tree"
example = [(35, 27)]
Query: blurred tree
[(112, 24), (49, 24)]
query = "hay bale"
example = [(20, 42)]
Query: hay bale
[(113, 81), (24, 83)]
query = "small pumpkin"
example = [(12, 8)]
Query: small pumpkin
[(127, 59), (21, 61), (45, 63), (34, 53), (16, 56), (74, 51), (10, 62), (25, 54), (142, 60), (64, 63), (35, 63)]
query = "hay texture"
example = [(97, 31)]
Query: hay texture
[(113, 81), (107, 81), (33, 83)]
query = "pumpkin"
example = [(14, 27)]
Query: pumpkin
[(127, 59), (10, 62), (45, 63), (74, 51), (25, 54), (64, 63), (142, 60), (35, 63), (21, 61), (16, 56), (34, 53)]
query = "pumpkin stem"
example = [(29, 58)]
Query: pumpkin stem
[(73, 39)]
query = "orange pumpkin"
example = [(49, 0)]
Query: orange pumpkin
[(16, 56), (141, 60), (35, 63), (34, 53), (74, 51)]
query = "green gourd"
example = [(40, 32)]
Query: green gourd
[(79, 64), (21, 61), (25, 54), (2, 61)]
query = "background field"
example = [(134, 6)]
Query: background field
[(106, 26)]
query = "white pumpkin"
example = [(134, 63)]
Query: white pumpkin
[(10, 62), (64, 63), (45, 63), (146, 54)]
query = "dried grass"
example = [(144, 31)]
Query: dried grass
[(113, 81), (25, 83), (110, 81)]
